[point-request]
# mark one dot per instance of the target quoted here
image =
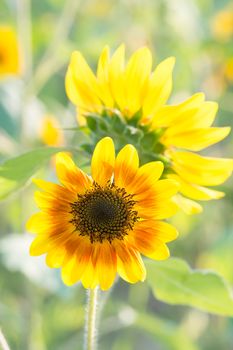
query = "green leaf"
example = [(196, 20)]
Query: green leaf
[(92, 122), (174, 282), (15, 172)]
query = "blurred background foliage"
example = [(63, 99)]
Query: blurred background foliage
[(37, 312)]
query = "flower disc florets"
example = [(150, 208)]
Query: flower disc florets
[(104, 213)]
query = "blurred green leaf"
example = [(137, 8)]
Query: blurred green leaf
[(173, 337), (15, 172), (173, 282)]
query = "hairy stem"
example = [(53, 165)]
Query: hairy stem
[(91, 332)]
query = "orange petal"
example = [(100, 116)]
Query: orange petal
[(129, 263), (56, 191), (105, 262), (149, 237), (76, 265), (146, 177), (69, 175), (45, 202)]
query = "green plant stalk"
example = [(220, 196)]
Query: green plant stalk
[(91, 318), (52, 61), (25, 40)]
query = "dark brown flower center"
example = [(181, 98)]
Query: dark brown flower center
[(104, 213)]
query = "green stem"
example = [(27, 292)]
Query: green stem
[(3, 342), (91, 332), (25, 44), (25, 31)]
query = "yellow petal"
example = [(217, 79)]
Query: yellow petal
[(126, 166), (192, 113), (159, 87), (70, 175), (80, 94), (136, 76), (55, 257), (71, 88), (204, 171), (104, 91), (159, 191), (194, 191), (116, 76), (38, 222), (81, 71), (160, 253), (89, 278), (151, 210), (187, 205), (103, 160), (102, 69), (81, 84), (39, 246), (196, 139)]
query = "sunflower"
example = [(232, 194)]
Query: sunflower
[(95, 227), (222, 24), (139, 96), (9, 54)]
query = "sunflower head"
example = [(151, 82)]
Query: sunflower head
[(94, 227), (128, 102)]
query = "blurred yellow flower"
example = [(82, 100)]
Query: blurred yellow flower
[(222, 24), (229, 69), (51, 132), (9, 51), (94, 227), (137, 94)]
